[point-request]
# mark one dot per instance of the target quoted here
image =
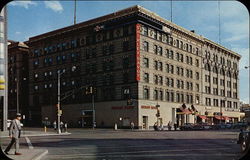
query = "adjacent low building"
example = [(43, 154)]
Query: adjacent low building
[(142, 68)]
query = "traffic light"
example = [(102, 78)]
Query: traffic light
[(129, 102), (158, 113), (90, 90)]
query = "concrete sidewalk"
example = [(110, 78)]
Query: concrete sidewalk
[(31, 153), (34, 133), (28, 154)]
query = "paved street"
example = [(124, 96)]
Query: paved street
[(107, 144)]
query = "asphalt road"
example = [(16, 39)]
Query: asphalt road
[(107, 144)]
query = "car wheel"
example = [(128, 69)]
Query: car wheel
[(243, 146)]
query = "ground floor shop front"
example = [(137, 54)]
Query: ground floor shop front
[(144, 114)]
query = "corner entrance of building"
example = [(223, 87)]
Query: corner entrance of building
[(144, 122)]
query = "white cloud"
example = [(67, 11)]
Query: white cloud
[(237, 30), (24, 4), (17, 32), (54, 5), (234, 9)]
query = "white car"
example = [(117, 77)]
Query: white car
[(8, 123)]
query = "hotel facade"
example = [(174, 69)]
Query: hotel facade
[(142, 68)]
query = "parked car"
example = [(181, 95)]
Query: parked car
[(186, 126), (240, 125), (206, 126), (244, 141), (229, 125)]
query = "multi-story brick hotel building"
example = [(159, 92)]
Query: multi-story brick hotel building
[(137, 55)]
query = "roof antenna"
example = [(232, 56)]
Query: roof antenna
[(75, 13), (219, 20), (171, 11)]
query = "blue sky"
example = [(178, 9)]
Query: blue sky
[(30, 18)]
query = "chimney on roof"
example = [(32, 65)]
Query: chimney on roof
[(193, 31)]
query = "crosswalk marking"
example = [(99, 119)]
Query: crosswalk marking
[(29, 143)]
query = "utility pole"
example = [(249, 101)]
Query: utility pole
[(93, 107), (58, 102), (171, 11), (75, 13), (17, 95), (219, 21)]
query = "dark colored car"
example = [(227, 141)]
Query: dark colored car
[(244, 141), (186, 126)]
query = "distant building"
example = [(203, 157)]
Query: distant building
[(138, 63), (18, 78), (245, 107), (3, 69)]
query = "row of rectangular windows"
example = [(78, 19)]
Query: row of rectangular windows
[(86, 40), (222, 103), (222, 60), (170, 54), (167, 39), (170, 96), (158, 80), (222, 92)]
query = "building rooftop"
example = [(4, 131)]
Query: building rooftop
[(125, 12)]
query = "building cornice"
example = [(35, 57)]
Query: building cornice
[(126, 12)]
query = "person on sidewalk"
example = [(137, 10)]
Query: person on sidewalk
[(14, 133), (54, 125), (61, 125), (132, 125), (66, 127)]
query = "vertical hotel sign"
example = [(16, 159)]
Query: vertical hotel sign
[(137, 26), (3, 46)]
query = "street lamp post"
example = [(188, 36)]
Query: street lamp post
[(93, 107), (17, 94), (59, 111), (158, 114), (58, 101)]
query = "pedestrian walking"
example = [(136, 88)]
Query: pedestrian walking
[(156, 127), (54, 125), (161, 126), (175, 126), (14, 134), (169, 126), (132, 125), (65, 127), (61, 125)]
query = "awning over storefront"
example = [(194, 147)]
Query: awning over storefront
[(218, 117), (222, 117), (183, 110), (202, 116), (226, 118)]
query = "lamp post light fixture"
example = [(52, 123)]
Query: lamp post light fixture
[(17, 94), (59, 111), (225, 99), (157, 114)]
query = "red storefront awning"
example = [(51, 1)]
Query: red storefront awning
[(202, 116), (226, 118), (218, 117), (222, 117)]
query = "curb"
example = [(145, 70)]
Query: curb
[(41, 155), (33, 135)]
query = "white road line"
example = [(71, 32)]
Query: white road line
[(190, 151), (29, 143)]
